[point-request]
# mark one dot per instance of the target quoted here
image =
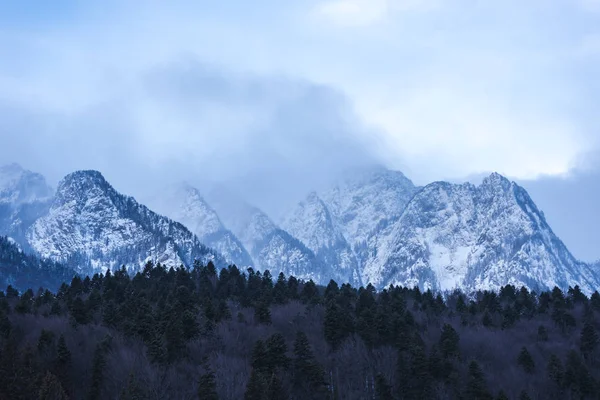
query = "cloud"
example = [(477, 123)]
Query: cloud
[(271, 138), (356, 13)]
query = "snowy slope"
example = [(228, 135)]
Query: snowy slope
[(270, 247), (89, 224), (24, 197), (312, 223), (362, 199), (184, 203), (472, 237), (18, 186)]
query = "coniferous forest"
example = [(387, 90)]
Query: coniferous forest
[(231, 334)]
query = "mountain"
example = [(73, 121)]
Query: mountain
[(92, 226), (270, 247), (24, 197), (184, 203), (442, 236), (472, 237), (18, 186), (23, 271), (312, 223), (363, 198)]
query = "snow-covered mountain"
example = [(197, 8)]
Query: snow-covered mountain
[(24, 197), (363, 198), (18, 186), (184, 203), (442, 236), (473, 237), (312, 223), (91, 225), (270, 247)]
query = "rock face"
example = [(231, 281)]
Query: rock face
[(92, 226), (184, 203), (312, 223), (270, 247), (473, 237), (442, 236)]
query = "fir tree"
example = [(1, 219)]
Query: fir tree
[(51, 389), (383, 391), (588, 339), (476, 384), (207, 386), (257, 388), (308, 376), (449, 340), (555, 370), (526, 361)]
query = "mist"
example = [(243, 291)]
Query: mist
[(271, 140)]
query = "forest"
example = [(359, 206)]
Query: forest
[(199, 333)]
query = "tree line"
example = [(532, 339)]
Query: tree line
[(200, 333)]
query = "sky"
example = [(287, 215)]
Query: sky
[(275, 97)]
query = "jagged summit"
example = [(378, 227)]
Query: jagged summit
[(441, 236), (18, 185), (185, 204), (91, 224)]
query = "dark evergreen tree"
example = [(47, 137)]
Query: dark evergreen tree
[(308, 376), (51, 389), (449, 340), (207, 386), (526, 361), (383, 391), (555, 371), (476, 385), (588, 339)]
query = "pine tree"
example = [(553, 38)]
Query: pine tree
[(276, 353), (542, 334), (133, 390), (63, 363), (589, 339), (207, 386), (524, 396), (526, 361), (383, 391), (260, 357), (308, 376), (51, 389), (257, 388), (502, 396), (276, 389), (449, 340), (476, 384), (98, 366), (555, 370)]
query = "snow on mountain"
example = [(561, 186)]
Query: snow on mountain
[(24, 197), (472, 237), (184, 203), (270, 247), (18, 186), (312, 223), (90, 224), (364, 198)]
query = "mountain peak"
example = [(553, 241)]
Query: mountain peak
[(91, 176), (497, 180), (18, 185), (12, 168)]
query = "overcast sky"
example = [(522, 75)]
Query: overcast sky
[(263, 93)]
